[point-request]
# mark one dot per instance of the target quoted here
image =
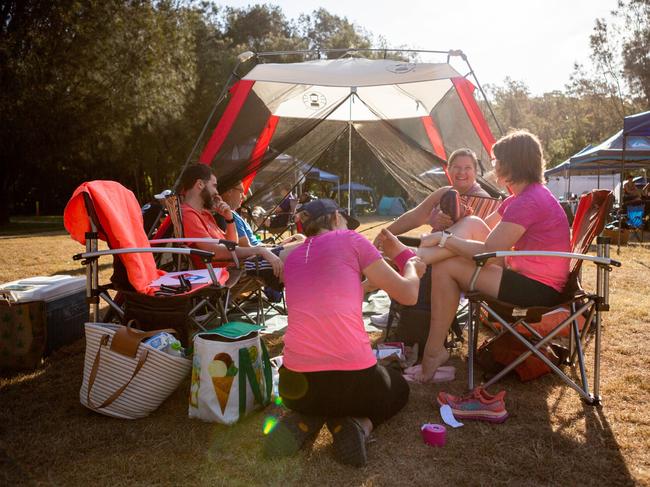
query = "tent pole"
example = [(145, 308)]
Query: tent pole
[(242, 58), (353, 90), (620, 201), (478, 84)]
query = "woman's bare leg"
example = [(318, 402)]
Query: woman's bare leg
[(470, 228), (450, 277)]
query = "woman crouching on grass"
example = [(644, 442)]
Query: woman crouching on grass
[(330, 374), (530, 219)]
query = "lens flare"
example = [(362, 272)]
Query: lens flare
[(269, 424), (278, 401)]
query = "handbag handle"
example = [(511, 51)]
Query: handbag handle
[(93, 374), (126, 340)]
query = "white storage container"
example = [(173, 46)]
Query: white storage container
[(64, 311)]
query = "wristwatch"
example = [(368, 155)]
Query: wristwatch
[(232, 220), (443, 239)]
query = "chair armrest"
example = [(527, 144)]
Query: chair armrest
[(229, 244), (480, 259), (204, 254)]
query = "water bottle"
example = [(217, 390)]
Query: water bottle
[(175, 349), (160, 340)]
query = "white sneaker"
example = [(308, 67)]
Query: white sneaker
[(381, 320)]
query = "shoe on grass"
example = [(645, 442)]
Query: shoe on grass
[(290, 433), (349, 441), (478, 405)]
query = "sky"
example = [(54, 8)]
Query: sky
[(533, 41)]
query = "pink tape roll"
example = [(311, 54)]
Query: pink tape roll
[(434, 434)]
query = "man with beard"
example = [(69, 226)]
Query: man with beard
[(199, 187)]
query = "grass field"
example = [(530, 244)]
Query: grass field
[(551, 438)]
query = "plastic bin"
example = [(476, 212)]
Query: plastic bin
[(39, 315)]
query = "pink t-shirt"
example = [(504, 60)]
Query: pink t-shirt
[(547, 228), (324, 297)]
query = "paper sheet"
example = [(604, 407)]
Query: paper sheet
[(199, 276), (448, 416)]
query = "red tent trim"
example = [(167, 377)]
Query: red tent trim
[(465, 88), (239, 93), (260, 148), (436, 140)]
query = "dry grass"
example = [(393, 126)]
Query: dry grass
[(551, 438)]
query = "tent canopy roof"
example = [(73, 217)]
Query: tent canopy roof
[(638, 124), (351, 72), (353, 186), (320, 175)]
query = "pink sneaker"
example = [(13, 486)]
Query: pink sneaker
[(478, 404)]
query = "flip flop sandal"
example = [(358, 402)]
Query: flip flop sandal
[(349, 441), (290, 434)]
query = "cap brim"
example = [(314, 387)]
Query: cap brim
[(353, 223)]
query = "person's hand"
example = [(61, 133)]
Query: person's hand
[(222, 208), (441, 220), (378, 241), (419, 266), (275, 261), (430, 239)]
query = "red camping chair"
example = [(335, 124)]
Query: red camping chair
[(589, 221), (106, 210)]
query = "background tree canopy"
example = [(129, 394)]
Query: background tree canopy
[(121, 89)]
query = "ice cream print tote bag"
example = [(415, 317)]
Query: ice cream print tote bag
[(128, 373), (231, 373)]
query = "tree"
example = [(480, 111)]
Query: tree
[(77, 79)]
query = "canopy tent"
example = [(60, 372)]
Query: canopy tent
[(356, 187), (410, 115), (320, 175)]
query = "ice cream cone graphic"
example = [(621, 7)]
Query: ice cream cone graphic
[(222, 371)]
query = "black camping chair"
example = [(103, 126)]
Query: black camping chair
[(184, 306)]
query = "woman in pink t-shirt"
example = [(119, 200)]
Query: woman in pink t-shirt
[(530, 219), (329, 372)]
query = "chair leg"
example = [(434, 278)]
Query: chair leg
[(472, 326)]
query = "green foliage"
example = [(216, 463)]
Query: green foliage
[(120, 89)]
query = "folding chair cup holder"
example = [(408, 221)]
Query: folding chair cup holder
[(589, 222)]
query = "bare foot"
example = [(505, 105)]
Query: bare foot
[(391, 246), (430, 364)]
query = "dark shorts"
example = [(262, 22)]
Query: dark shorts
[(518, 289), (377, 393)]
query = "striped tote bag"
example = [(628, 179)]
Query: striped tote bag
[(124, 377)]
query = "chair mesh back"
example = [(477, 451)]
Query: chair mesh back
[(589, 221), (481, 206), (173, 206)]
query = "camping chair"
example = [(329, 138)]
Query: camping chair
[(243, 288), (108, 211), (277, 224), (589, 221), (421, 312), (634, 220)]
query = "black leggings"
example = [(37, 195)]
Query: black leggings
[(377, 393)]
